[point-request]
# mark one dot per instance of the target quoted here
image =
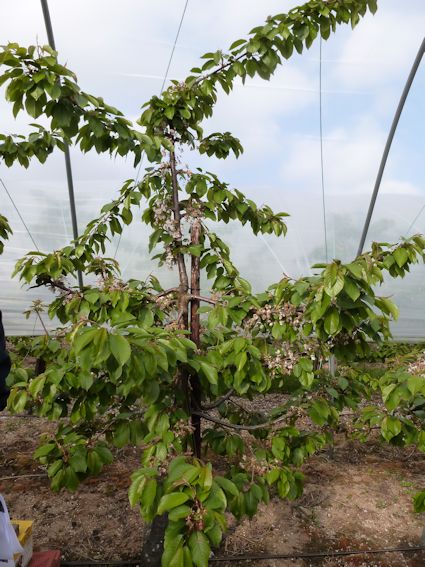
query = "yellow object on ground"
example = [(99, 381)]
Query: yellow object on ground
[(25, 539)]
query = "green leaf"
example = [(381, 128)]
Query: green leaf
[(94, 462), (388, 307), (306, 379), (121, 434), (351, 289), (85, 380), (419, 502), (237, 43), (227, 485), (169, 112), (215, 534), (373, 5), (44, 450), (105, 454), (136, 488), (319, 411), (416, 384), (356, 270), (170, 501), (332, 322), (148, 494), (19, 401), (179, 513), (54, 468), (216, 499), (200, 549), (195, 250), (390, 427), (120, 348), (71, 480), (272, 476), (78, 461), (183, 472), (172, 542), (84, 338), (178, 558), (210, 372), (401, 256), (333, 279)]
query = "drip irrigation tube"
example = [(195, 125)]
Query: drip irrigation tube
[(262, 557), (266, 557)]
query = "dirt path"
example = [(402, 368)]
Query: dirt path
[(356, 496)]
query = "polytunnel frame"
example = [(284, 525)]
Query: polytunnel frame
[(71, 193), (388, 144)]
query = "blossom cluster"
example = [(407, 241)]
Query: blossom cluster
[(253, 466), (418, 366), (195, 521), (287, 313), (283, 360)]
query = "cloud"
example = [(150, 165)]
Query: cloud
[(254, 112), (398, 187), (351, 159), (383, 46)]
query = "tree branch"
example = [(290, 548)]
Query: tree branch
[(219, 401), (201, 298), (42, 324), (220, 68), (167, 292), (236, 426), (47, 281)]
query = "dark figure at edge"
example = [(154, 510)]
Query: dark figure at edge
[(4, 368)]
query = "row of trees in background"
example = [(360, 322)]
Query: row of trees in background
[(165, 369)]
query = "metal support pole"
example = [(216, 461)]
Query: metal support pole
[(394, 125), (71, 194)]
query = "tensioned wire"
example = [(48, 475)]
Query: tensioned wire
[(18, 212), (170, 59), (25, 226), (414, 220)]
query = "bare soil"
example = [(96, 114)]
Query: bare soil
[(357, 496)]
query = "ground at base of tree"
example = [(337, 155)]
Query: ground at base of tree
[(356, 496)]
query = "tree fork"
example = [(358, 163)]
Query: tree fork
[(195, 324)]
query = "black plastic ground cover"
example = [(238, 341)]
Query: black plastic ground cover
[(262, 557)]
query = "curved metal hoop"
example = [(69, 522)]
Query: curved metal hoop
[(394, 125)]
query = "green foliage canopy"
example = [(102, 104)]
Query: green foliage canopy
[(138, 364)]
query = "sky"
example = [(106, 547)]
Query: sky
[(121, 51)]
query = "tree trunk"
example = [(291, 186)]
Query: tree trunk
[(183, 277), (195, 386), (40, 366), (153, 544)]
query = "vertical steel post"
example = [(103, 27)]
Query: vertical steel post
[(394, 125), (71, 194)]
